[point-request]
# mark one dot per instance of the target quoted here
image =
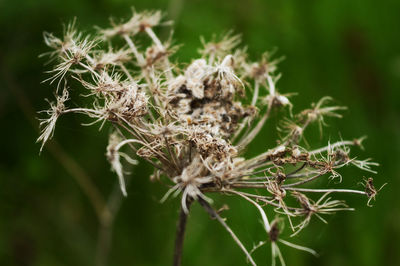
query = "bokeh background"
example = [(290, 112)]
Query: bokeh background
[(50, 204)]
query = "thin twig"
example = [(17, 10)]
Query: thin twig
[(333, 190), (337, 144), (215, 215), (305, 180)]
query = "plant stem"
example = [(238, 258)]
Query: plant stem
[(180, 234), (106, 224), (214, 215)]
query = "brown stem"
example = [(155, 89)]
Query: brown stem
[(180, 234)]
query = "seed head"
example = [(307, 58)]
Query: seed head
[(194, 122)]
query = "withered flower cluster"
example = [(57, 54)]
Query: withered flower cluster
[(192, 123)]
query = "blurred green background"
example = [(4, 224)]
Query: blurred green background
[(348, 49)]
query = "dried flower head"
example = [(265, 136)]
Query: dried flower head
[(193, 123)]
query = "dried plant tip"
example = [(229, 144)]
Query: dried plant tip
[(370, 190), (274, 231), (219, 48), (54, 112), (113, 155)]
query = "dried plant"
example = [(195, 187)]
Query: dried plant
[(193, 123)]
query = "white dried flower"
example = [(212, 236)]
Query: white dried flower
[(49, 124), (194, 123)]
